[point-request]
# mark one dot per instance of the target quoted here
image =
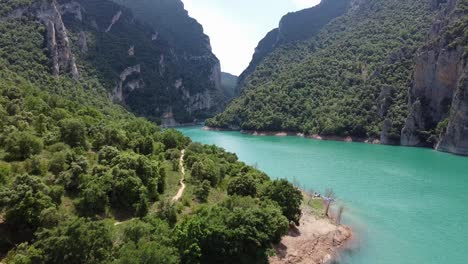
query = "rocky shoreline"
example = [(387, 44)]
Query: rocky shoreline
[(314, 241), (296, 134)]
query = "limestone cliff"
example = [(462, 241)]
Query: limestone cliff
[(49, 13), (190, 72), (138, 49), (438, 96)]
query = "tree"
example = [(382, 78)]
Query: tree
[(168, 212), (128, 192), (203, 191), (144, 252), (206, 169), (25, 201), (147, 170), (147, 242), (73, 132), (72, 178), (243, 186), (240, 230), (93, 198), (288, 197), (174, 139), (78, 241), (107, 154), (22, 145), (329, 198), (144, 145), (111, 136), (59, 162)]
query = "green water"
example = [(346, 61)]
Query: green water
[(407, 205)]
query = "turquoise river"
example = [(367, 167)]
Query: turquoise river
[(406, 205)]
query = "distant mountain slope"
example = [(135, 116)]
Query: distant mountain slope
[(293, 27), (228, 83), (353, 78)]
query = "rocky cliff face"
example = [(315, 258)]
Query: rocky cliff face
[(49, 13), (438, 96), (138, 49), (186, 64), (293, 27), (228, 83)]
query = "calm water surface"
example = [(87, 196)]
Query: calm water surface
[(407, 205)]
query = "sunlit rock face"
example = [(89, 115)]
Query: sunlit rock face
[(438, 99)]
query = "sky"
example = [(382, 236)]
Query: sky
[(236, 26)]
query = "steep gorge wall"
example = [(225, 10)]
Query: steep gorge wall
[(437, 98), (139, 61)]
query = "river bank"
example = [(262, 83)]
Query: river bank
[(296, 134), (315, 241)]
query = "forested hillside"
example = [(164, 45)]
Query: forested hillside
[(297, 26), (83, 180), (353, 78)]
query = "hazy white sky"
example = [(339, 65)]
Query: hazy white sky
[(236, 26)]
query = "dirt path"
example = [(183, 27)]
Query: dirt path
[(182, 184), (119, 223), (315, 241)]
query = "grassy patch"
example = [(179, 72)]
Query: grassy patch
[(316, 205), (67, 207)]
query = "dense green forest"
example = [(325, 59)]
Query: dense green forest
[(293, 27), (331, 84), (84, 181)]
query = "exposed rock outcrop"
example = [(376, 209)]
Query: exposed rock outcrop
[(314, 241), (414, 124), (129, 81), (49, 13), (437, 93), (83, 42), (114, 20), (58, 43), (455, 138), (168, 120), (131, 51)]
